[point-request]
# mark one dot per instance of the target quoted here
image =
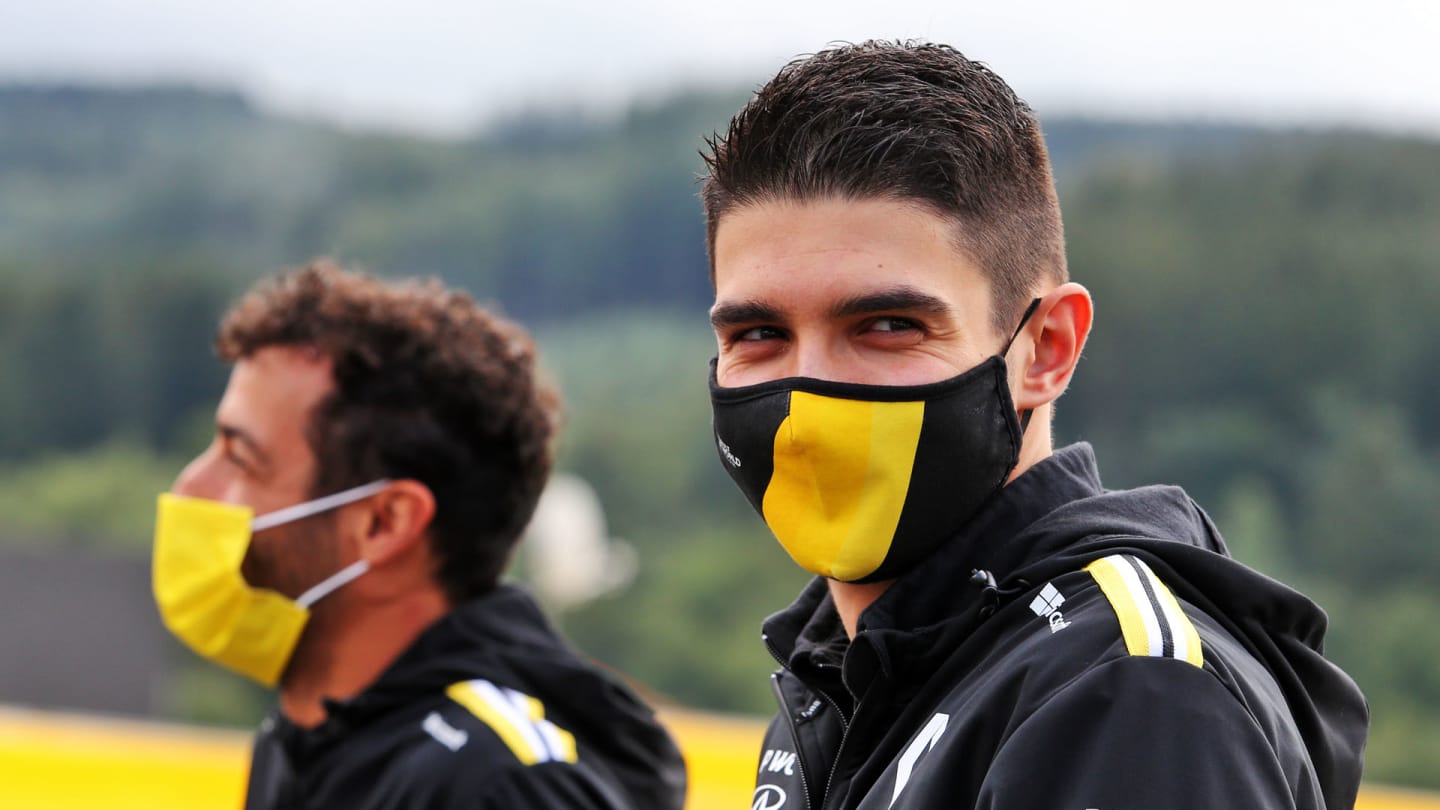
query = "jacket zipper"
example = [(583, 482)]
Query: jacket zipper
[(794, 729), (794, 737), (839, 750)]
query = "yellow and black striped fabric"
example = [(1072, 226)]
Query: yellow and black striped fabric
[(1151, 619), (517, 719)]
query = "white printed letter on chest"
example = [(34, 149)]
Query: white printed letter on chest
[(922, 743)]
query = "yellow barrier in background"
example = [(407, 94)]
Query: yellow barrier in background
[(51, 761), (58, 761)]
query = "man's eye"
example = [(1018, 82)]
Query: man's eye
[(893, 325), (232, 456), (758, 333)]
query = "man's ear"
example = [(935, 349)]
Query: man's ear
[(396, 521), (1058, 330)]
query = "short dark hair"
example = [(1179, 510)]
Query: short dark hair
[(908, 121), (428, 386)]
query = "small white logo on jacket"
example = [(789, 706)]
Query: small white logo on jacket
[(444, 733), (1047, 605)]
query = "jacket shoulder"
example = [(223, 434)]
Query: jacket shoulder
[(1114, 607), (478, 745), (1144, 731)]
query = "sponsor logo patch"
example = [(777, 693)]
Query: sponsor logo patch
[(1047, 606), (768, 797)]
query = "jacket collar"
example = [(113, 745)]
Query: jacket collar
[(473, 637)]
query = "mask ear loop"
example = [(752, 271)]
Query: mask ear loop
[(303, 510), (1030, 310), (332, 583)]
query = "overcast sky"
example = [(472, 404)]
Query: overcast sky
[(448, 65)]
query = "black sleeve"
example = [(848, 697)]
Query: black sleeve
[(1138, 733), (542, 787)]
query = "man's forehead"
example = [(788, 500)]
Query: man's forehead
[(285, 369), (273, 390), (777, 250)]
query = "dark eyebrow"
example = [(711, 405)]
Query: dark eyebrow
[(896, 299), (742, 312), (252, 446)]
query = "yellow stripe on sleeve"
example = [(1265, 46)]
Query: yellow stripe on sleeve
[(560, 742), (518, 720), (1132, 624), (493, 716), (1186, 628), (1144, 623)]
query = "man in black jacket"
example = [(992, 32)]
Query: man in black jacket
[(989, 627), (377, 453)]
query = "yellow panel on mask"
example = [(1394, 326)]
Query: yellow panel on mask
[(206, 602), (842, 468)]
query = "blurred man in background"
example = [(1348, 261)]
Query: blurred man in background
[(989, 627), (377, 453)]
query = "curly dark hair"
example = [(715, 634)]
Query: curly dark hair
[(428, 386), (907, 121)]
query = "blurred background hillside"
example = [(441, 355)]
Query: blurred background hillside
[(1266, 336)]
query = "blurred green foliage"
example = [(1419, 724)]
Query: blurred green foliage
[(105, 496), (1265, 337)]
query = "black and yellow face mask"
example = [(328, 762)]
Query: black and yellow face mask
[(861, 483)]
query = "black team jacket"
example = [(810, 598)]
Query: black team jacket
[(1072, 648), (487, 709)]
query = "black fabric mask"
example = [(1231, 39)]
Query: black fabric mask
[(861, 483)]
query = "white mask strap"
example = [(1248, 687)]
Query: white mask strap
[(328, 585), (315, 507)]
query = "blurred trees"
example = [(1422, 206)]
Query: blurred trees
[(1265, 337)]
